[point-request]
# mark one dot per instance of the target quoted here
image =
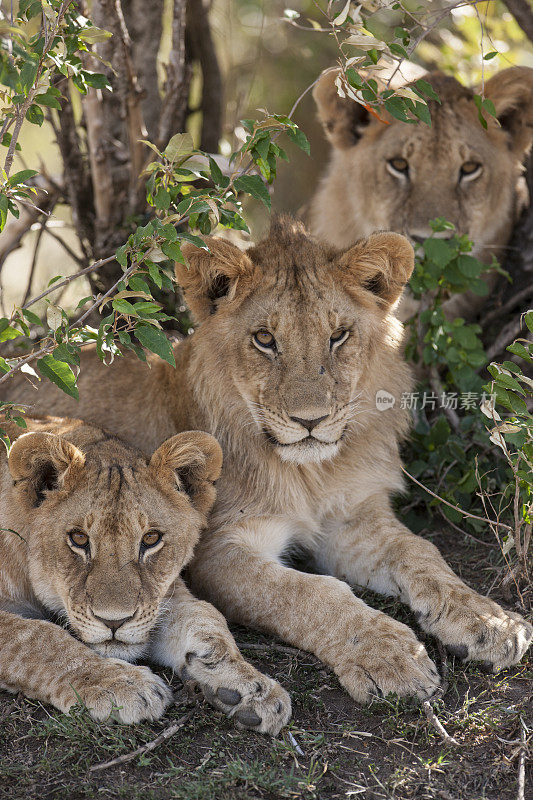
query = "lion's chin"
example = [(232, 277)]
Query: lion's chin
[(307, 451), (114, 649)]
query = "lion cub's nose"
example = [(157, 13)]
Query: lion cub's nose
[(309, 423), (113, 624)]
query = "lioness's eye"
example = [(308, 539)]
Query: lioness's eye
[(151, 538), (398, 165), (338, 337), (470, 169), (79, 539), (264, 340)]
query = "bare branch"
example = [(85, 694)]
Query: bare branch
[(34, 261)]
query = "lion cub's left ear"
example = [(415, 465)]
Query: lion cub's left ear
[(42, 462), (381, 264), (193, 461), (212, 276)]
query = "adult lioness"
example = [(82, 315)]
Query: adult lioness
[(96, 533), (294, 343), (396, 176)]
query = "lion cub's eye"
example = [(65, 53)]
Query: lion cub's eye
[(470, 170), (79, 539), (398, 166), (264, 340), (338, 337), (151, 538)]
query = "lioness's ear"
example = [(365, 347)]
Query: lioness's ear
[(381, 264), (40, 462), (343, 119), (193, 461), (211, 276), (511, 91)]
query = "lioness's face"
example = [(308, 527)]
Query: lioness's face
[(109, 537), (387, 174), (296, 330)]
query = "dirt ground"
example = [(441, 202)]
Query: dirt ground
[(332, 749)]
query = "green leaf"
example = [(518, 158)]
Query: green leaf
[(426, 88), (254, 186), (155, 340), (92, 34), (492, 54), (123, 307), (122, 255), (59, 373), (95, 79), (35, 115), (529, 320), (162, 199), (173, 251), (68, 353), (300, 139), (31, 317), (20, 177), (190, 237), (439, 251), (180, 144), (47, 100), (9, 333)]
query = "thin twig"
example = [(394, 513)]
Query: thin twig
[(521, 795), (34, 261), (169, 731), (433, 719), (85, 271), (451, 505), (74, 256)]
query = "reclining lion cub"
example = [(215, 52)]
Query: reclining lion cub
[(294, 341), (96, 533)]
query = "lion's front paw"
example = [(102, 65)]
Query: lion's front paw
[(123, 692), (388, 659), (250, 698), (478, 629)]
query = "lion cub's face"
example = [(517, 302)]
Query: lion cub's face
[(397, 176), (294, 329), (111, 531)]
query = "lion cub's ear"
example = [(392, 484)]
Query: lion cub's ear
[(209, 277), (381, 264), (41, 462), (193, 461), (511, 91), (342, 118)]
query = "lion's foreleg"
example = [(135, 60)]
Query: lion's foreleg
[(370, 652), (44, 662), (193, 638), (375, 550)]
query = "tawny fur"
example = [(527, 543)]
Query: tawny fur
[(68, 476), (283, 488), (359, 193)]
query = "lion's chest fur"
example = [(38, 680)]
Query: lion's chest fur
[(299, 505)]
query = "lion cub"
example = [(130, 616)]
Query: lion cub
[(96, 533)]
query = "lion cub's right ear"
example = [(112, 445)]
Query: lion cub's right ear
[(342, 118), (191, 461), (40, 462), (212, 276)]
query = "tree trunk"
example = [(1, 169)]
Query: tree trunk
[(104, 189)]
